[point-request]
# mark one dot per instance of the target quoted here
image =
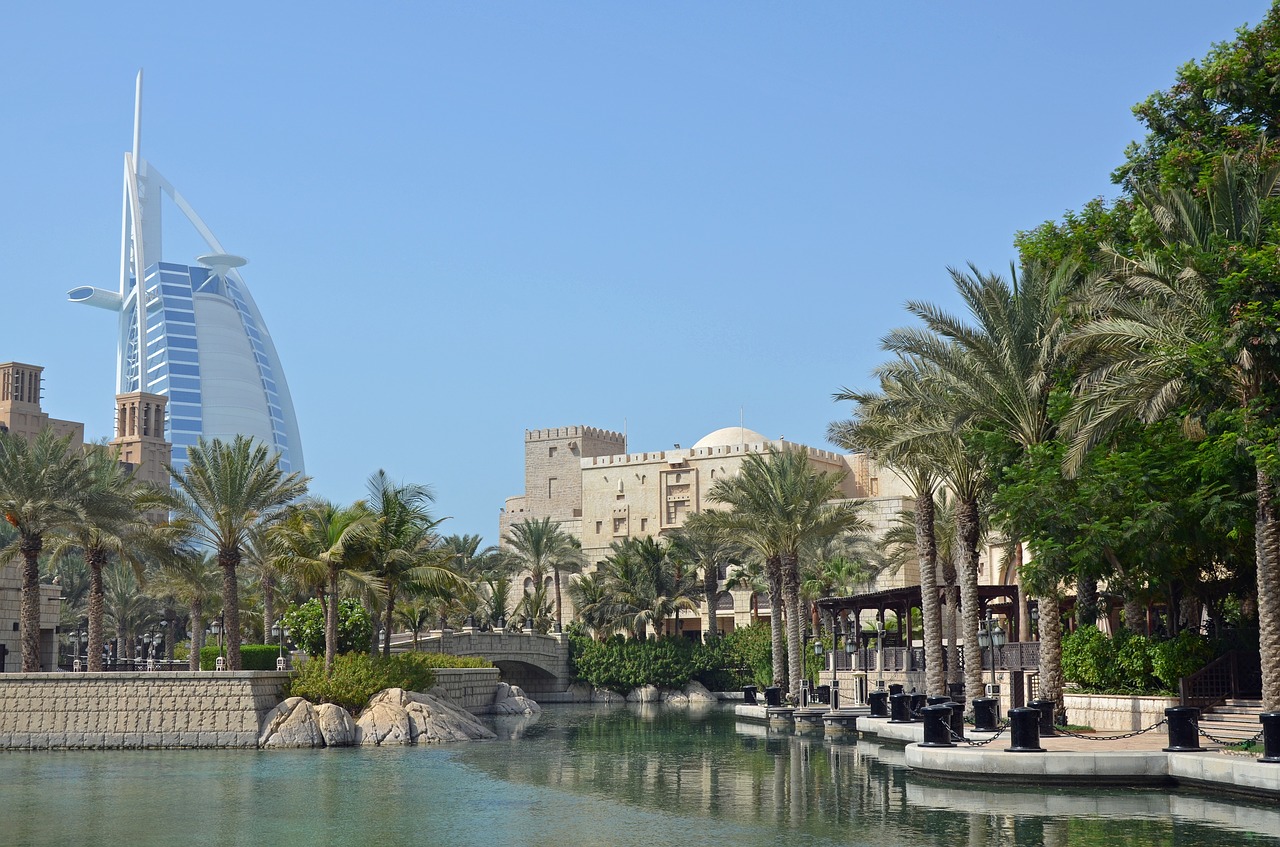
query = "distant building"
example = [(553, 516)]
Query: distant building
[(196, 337), (585, 479)]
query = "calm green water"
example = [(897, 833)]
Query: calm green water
[(578, 776)]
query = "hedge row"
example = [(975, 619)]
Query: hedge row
[(722, 664)]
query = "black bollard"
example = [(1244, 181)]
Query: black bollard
[(879, 703), (899, 708), (957, 720), (1270, 737), (917, 703), (984, 714), (895, 688), (1024, 731), (773, 696), (1046, 708), (1184, 729), (937, 726), (935, 701), (749, 694)]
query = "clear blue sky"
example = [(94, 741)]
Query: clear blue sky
[(469, 219)]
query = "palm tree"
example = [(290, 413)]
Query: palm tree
[(886, 426), (113, 525), (44, 485), (414, 616), (225, 491), (318, 541), (645, 586), (191, 577), (750, 576), (402, 546), (593, 601), (1156, 340), (126, 607), (708, 551), (779, 505), (539, 545)]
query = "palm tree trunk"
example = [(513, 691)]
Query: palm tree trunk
[(331, 620), (927, 552), (710, 586), (230, 559), (197, 635), (1051, 651), (1267, 541), (391, 606), (30, 546), (268, 606), (559, 615), (95, 559), (773, 573), (795, 620), (1024, 602), (967, 533), (1086, 600)]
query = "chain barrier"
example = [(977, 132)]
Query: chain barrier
[(1223, 743), (957, 737), (1063, 731)]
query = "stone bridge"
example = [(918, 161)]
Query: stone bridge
[(537, 663)]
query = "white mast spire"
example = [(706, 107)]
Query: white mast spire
[(137, 123)]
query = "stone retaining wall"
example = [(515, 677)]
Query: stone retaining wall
[(135, 710), (470, 688), (1116, 713)]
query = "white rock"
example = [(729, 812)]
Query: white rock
[(431, 719), (336, 725), (511, 700), (383, 723), (644, 694), (675, 698), (696, 691), (581, 692), (604, 695), (292, 724)]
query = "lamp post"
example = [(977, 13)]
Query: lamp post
[(880, 654), (993, 637), (216, 629), (278, 630), (153, 639), (81, 631), (817, 651)]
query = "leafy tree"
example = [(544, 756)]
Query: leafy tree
[(307, 626)]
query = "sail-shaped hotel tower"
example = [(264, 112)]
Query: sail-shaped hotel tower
[(199, 339)]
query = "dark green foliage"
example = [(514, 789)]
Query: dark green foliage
[(253, 657), (1131, 664), (306, 626), (723, 664), (358, 676)]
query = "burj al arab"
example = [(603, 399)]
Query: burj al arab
[(191, 332)]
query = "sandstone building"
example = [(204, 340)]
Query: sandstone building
[(585, 479)]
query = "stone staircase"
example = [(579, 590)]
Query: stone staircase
[(1235, 721)]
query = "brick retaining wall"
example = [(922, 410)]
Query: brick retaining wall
[(470, 688), (135, 710)]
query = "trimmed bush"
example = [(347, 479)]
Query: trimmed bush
[(616, 664), (358, 676), (253, 657), (1131, 664)]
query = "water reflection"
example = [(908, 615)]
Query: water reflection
[(706, 764)]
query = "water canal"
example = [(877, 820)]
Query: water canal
[(580, 775)]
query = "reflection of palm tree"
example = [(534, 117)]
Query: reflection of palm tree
[(225, 491)]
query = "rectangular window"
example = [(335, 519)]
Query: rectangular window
[(184, 370), (551, 452), (619, 525), (551, 487), (599, 527), (644, 524)]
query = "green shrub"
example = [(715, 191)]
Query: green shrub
[(1130, 663), (306, 626), (749, 650), (1179, 657), (724, 663), (444, 660), (253, 657), (358, 676)]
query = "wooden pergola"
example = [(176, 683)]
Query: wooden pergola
[(992, 599)]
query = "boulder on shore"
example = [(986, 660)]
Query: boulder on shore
[(336, 725), (511, 700), (292, 724), (697, 692), (604, 695), (644, 694), (428, 719)]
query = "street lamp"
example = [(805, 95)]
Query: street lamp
[(817, 651), (880, 654), (278, 630), (992, 636), (216, 629)]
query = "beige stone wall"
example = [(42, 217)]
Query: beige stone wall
[(552, 473), (135, 710), (1116, 713), (470, 688), (10, 606)]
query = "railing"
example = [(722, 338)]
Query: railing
[(1233, 674)]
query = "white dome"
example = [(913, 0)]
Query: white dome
[(730, 436)]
